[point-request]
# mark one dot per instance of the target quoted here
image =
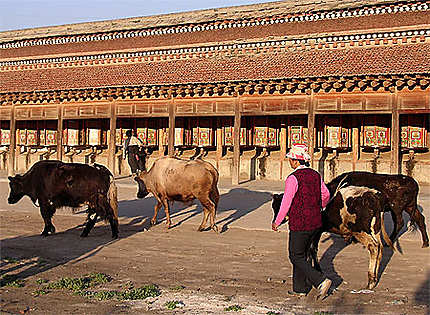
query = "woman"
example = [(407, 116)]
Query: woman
[(305, 195)]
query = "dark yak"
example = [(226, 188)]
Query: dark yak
[(354, 213), (54, 184), (400, 192), (174, 179)]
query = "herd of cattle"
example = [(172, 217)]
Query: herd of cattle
[(355, 211)]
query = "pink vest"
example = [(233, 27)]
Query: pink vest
[(305, 210)]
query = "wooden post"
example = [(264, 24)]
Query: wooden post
[(355, 148), (236, 143), (311, 126), (172, 117), (60, 132), (12, 145), (112, 138), (218, 142), (160, 141), (395, 136), (283, 144)]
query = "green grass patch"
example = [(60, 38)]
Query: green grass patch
[(41, 281), (177, 288), (10, 260), (273, 313), (171, 305), (141, 293), (11, 281), (40, 292), (80, 284), (233, 308)]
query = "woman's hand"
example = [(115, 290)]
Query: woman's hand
[(274, 227)]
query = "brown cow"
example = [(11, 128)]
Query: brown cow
[(55, 184), (400, 192), (174, 179)]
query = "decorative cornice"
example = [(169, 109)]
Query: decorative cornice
[(387, 83), (206, 26), (207, 51)]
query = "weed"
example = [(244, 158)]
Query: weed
[(40, 292), (101, 295), (171, 305), (234, 308), (273, 313), (177, 288), (140, 293), (41, 281), (80, 284), (10, 260), (11, 281)]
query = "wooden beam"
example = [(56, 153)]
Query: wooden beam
[(283, 144), (172, 117), (236, 143), (60, 132), (395, 166), (355, 147), (218, 142), (112, 138), (12, 145), (311, 126)]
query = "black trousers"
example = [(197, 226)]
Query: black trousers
[(135, 160), (304, 275)]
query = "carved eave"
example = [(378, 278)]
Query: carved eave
[(387, 83)]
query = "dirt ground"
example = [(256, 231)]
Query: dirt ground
[(244, 269)]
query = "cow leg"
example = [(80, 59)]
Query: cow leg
[(47, 211), (90, 223), (114, 226), (397, 223), (208, 209), (167, 211), (374, 246), (419, 219), (156, 208)]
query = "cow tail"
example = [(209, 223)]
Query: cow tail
[(384, 233), (113, 198)]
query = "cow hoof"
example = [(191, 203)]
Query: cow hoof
[(215, 228), (115, 236), (425, 245), (44, 234), (84, 234), (200, 229)]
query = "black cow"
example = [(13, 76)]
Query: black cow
[(400, 192), (54, 184), (354, 213)]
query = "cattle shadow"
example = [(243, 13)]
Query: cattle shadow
[(239, 201), (39, 254), (337, 245), (422, 294)]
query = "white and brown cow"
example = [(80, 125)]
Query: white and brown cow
[(355, 213)]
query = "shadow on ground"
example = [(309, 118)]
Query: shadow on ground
[(233, 205)]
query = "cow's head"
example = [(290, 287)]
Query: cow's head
[(142, 191), (16, 185), (276, 205)]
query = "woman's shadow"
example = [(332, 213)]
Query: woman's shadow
[(239, 201)]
